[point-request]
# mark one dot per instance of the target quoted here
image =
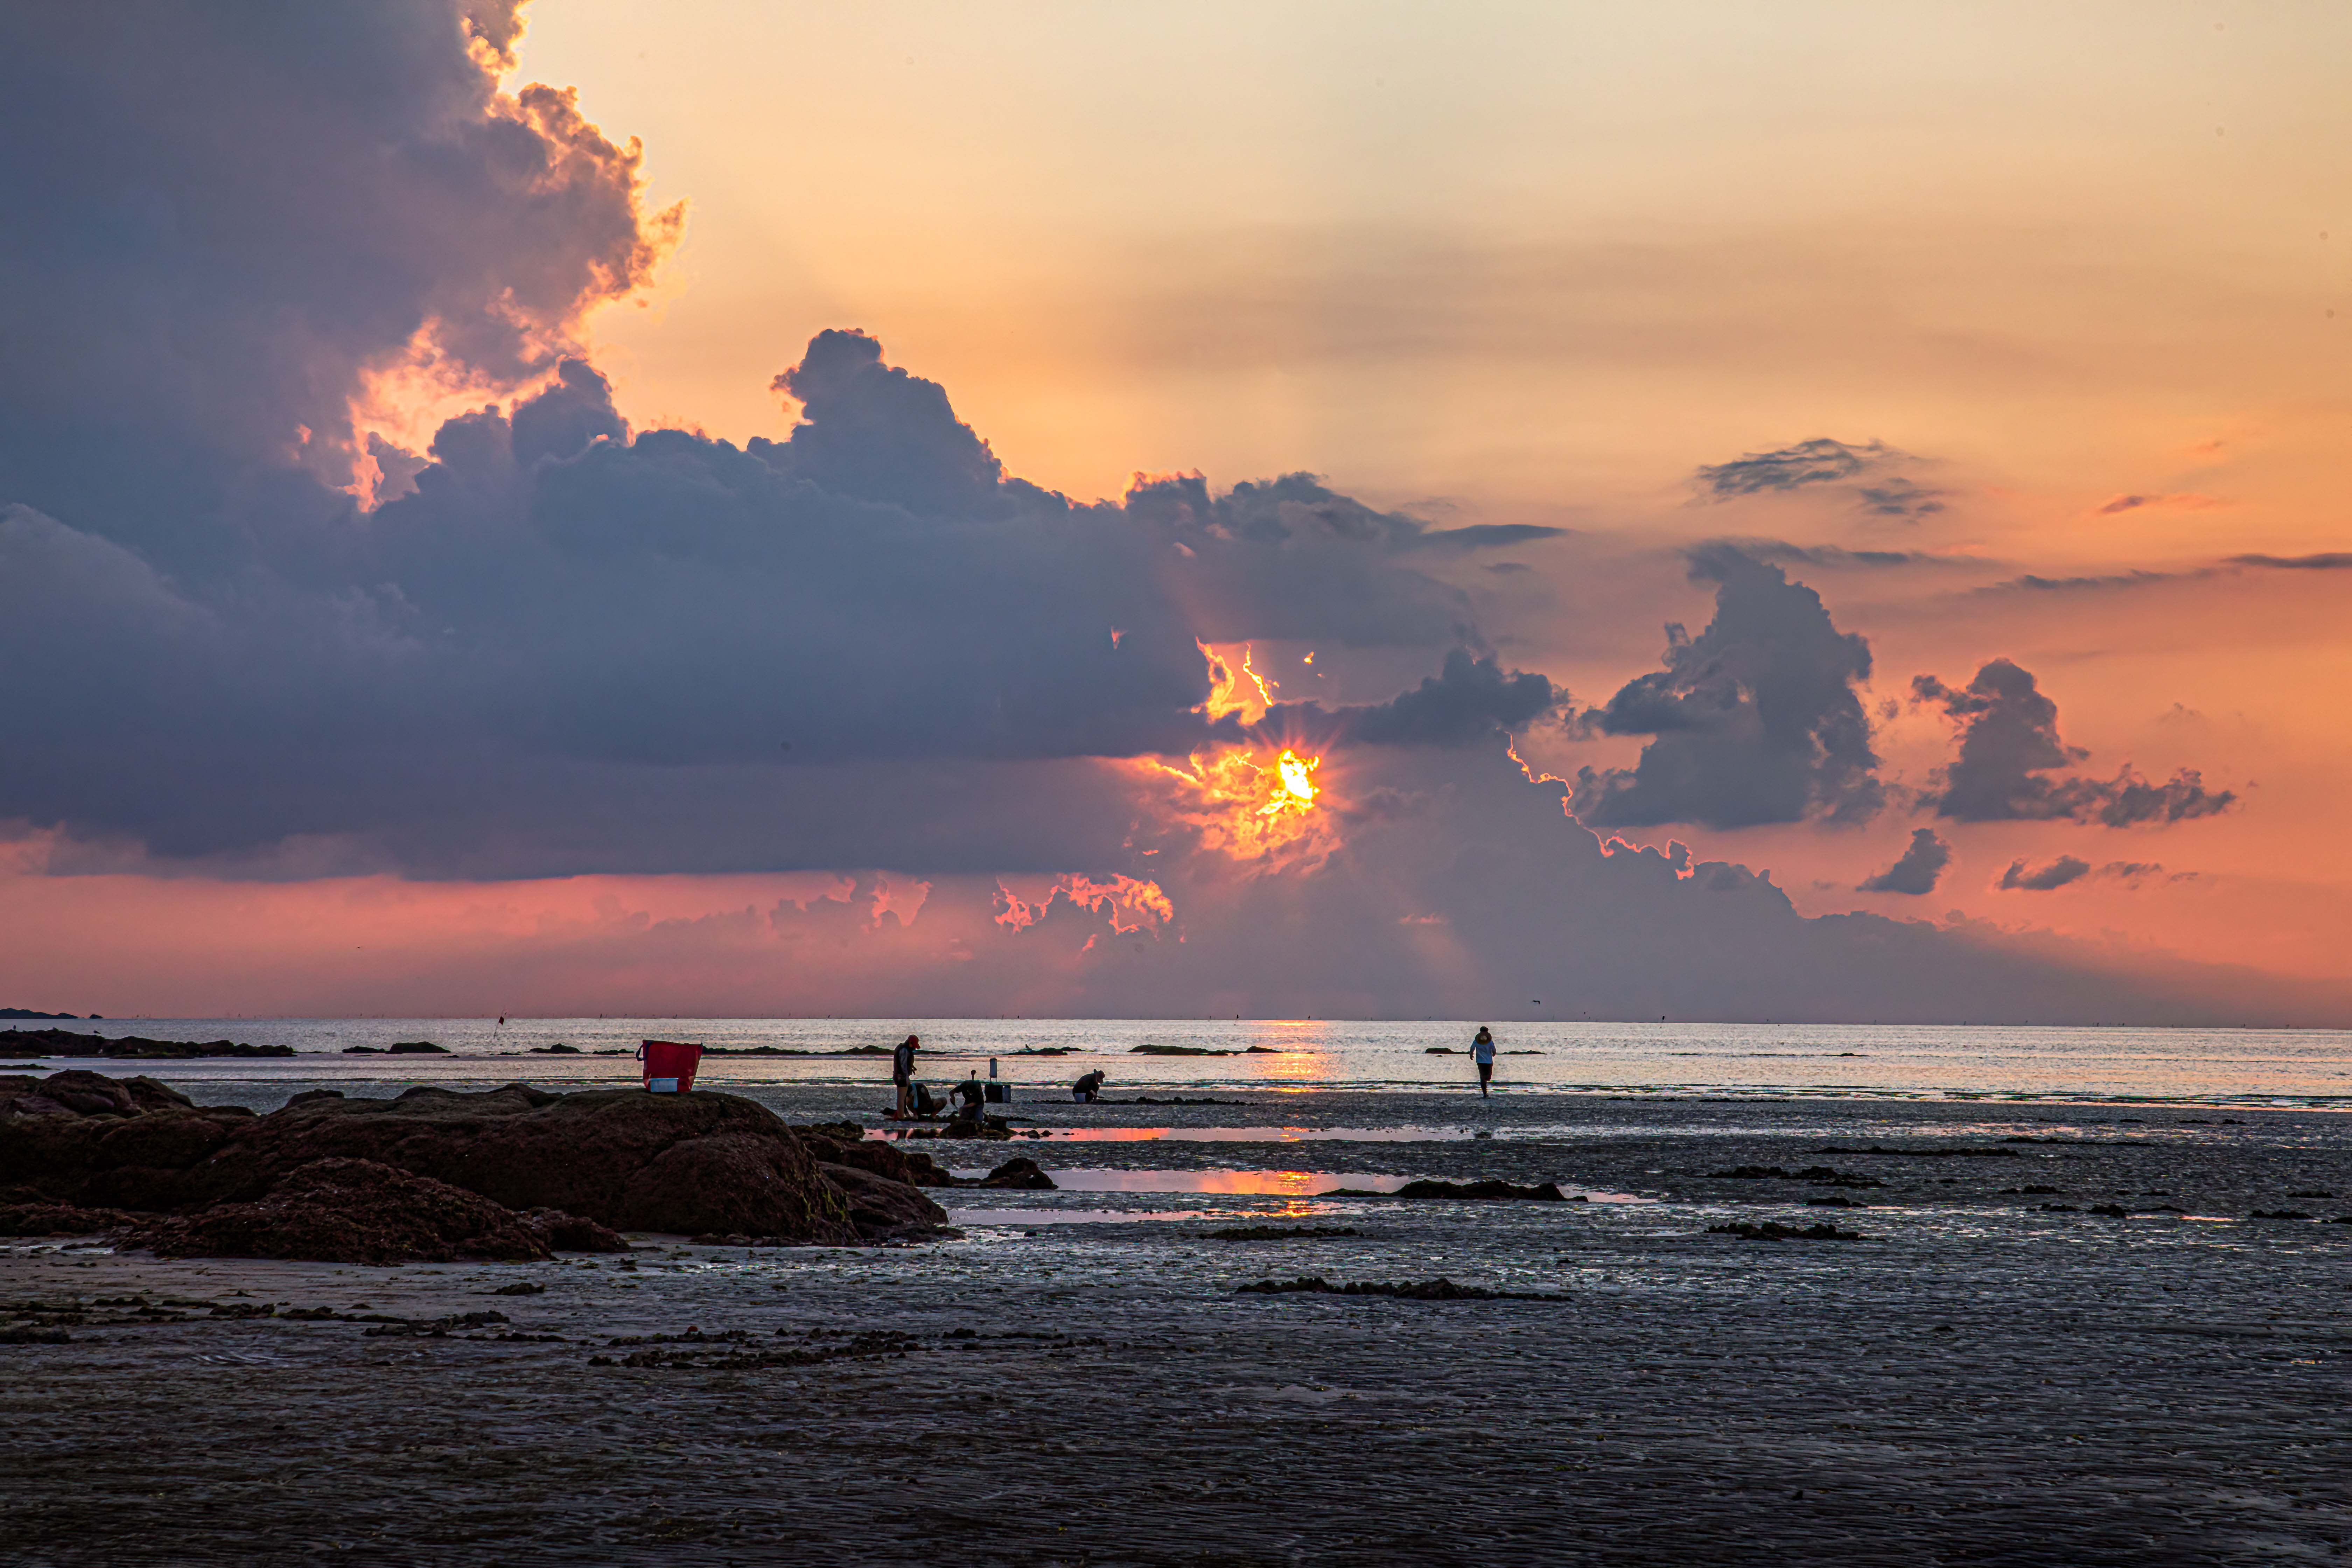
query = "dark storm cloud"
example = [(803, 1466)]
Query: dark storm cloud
[(564, 642), (2010, 747), (1468, 700), (221, 216), (1917, 868), (1756, 720)]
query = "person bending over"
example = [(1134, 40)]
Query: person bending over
[(1087, 1088)]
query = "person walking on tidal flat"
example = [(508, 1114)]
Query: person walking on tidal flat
[(1482, 1051)]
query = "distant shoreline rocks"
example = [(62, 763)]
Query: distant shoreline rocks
[(134, 1047)]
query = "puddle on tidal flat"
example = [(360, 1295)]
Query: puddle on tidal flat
[(1273, 1184), (1227, 1134)]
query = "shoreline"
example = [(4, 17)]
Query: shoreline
[(1979, 1379)]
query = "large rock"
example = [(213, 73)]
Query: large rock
[(634, 1161), (885, 1210), (687, 1163), (829, 1145), (351, 1211)]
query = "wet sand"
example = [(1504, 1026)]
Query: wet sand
[(1982, 1381)]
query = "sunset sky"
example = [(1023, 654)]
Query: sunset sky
[(1967, 384)]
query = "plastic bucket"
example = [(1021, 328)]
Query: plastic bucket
[(669, 1066)]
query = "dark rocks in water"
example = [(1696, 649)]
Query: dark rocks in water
[(1045, 1052), (2060, 1208), (1819, 1175), (1439, 1290), (1266, 1051), (882, 1209), (569, 1233), (432, 1328), (886, 1160), (1833, 1203), (2280, 1214), (1176, 1051), (1933, 1153), (967, 1129), (69, 1043), (519, 1288), (349, 1211), (29, 1013), (1442, 1051), (415, 1048), (60, 1219), (1016, 1173), (558, 1050), (2112, 1211), (1277, 1232), (1773, 1230), (2311, 1194), (1490, 1191)]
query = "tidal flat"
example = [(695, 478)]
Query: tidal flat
[(1995, 1372)]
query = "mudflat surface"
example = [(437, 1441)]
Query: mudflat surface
[(1983, 1380)]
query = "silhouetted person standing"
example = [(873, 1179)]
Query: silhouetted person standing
[(1482, 1051), (902, 1073)]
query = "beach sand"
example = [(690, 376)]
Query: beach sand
[(1982, 1381)]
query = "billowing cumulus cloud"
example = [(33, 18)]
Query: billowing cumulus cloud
[(2009, 755), (223, 219), (1756, 720), (1916, 869)]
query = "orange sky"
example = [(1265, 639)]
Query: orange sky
[(1537, 263), (2082, 273)]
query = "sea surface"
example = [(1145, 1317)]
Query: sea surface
[(2217, 1067)]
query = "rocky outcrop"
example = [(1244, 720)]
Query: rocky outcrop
[(60, 1219), (1489, 1192), (71, 1043), (885, 1210), (351, 1211), (610, 1160), (1016, 1173)]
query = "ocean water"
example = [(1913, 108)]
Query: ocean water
[(2310, 1068)]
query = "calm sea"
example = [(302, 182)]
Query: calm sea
[(2207, 1066)]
